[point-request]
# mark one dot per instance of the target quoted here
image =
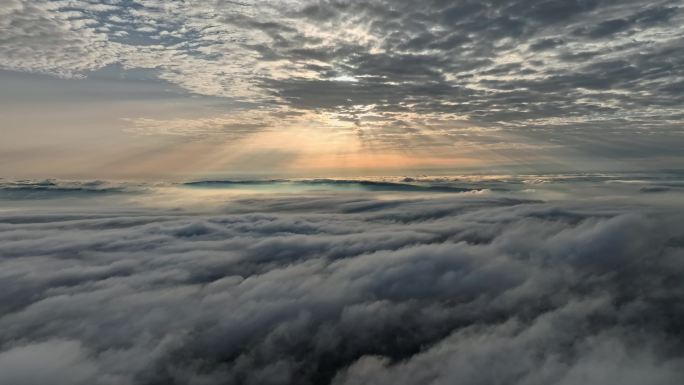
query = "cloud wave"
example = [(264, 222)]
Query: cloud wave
[(345, 290)]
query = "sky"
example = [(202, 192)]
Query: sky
[(341, 192), (153, 89)]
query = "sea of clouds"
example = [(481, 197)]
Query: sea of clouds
[(469, 286)]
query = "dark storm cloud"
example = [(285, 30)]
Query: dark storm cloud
[(347, 290)]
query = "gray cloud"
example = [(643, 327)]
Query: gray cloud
[(337, 288), (54, 361), (520, 65)]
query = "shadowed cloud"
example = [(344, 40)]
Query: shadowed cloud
[(346, 288)]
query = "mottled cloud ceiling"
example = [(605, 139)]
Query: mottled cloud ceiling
[(398, 67)]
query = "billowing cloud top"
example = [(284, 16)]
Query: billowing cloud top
[(489, 284)]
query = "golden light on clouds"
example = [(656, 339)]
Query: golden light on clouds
[(308, 143)]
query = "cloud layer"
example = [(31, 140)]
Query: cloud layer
[(395, 71), (345, 289)]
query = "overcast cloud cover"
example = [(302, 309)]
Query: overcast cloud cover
[(389, 286), (509, 61), (591, 82)]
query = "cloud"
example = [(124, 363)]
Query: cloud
[(52, 188), (326, 287), (368, 185), (520, 65), (602, 358), (54, 362)]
